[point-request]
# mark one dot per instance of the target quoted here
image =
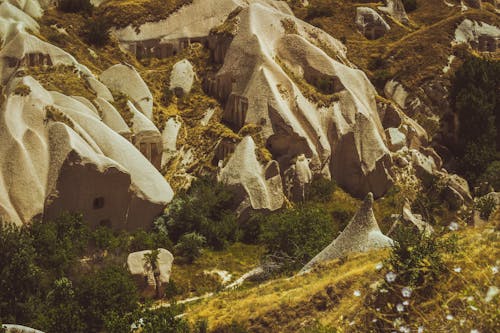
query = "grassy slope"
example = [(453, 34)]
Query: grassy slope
[(327, 294)]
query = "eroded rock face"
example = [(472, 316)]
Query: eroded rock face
[(151, 275), (125, 79), (370, 23), (11, 328), (396, 9), (62, 157), (361, 234), (182, 78), (262, 185), (479, 35)]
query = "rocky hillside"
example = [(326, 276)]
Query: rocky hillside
[(189, 124)]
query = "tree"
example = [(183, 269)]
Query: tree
[(189, 246), (475, 100)]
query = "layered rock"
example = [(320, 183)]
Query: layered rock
[(362, 234), (151, 274)]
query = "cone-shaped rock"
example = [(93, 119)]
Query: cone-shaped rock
[(361, 234)]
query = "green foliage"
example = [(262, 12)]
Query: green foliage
[(474, 97), (163, 320), (380, 77), (97, 31), (417, 258), (206, 208), (492, 175), (109, 291), (189, 246), (297, 234), (486, 206), (320, 190), (410, 5), (75, 6)]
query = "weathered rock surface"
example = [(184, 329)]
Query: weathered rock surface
[(151, 277), (57, 155), (479, 35), (415, 221), (125, 79), (262, 185), (361, 234), (11, 328), (182, 78), (370, 23), (396, 9)]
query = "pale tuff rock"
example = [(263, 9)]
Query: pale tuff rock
[(146, 137), (370, 23), (262, 185), (182, 78), (12, 20), (25, 50), (112, 118), (61, 157), (30, 7), (100, 89), (169, 137), (396, 9), (409, 219), (10, 328), (151, 277), (395, 91), (88, 104), (479, 35), (125, 79), (362, 234), (395, 139)]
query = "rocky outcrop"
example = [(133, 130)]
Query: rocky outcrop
[(410, 220), (169, 137), (10, 328), (361, 234), (151, 270), (182, 78), (57, 156), (244, 173), (112, 118), (125, 79), (396, 9), (370, 23), (480, 36)]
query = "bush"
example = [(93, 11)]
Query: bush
[(189, 246), (297, 234), (492, 175), (97, 31), (320, 190), (320, 10), (207, 209), (410, 5), (75, 6), (486, 206)]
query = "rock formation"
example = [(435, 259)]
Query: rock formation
[(396, 9), (361, 234), (10, 328), (151, 274), (182, 78), (243, 171), (479, 35), (57, 155), (370, 23)]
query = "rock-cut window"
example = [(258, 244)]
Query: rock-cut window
[(98, 203)]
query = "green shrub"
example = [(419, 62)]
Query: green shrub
[(189, 246), (297, 234), (97, 31), (320, 190), (207, 209), (492, 175), (75, 6), (410, 5), (486, 206)]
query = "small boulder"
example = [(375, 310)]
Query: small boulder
[(10, 328), (182, 78), (395, 139), (396, 9), (151, 276)]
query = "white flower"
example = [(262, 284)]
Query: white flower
[(406, 292), (472, 307), (357, 293), (406, 303), (493, 291), (400, 307), (494, 269), (374, 320), (383, 291), (352, 323), (390, 277), (449, 317), (420, 329), (457, 269), (474, 331), (470, 298), (404, 329), (377, 309), (379, 266), (453, 226)]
